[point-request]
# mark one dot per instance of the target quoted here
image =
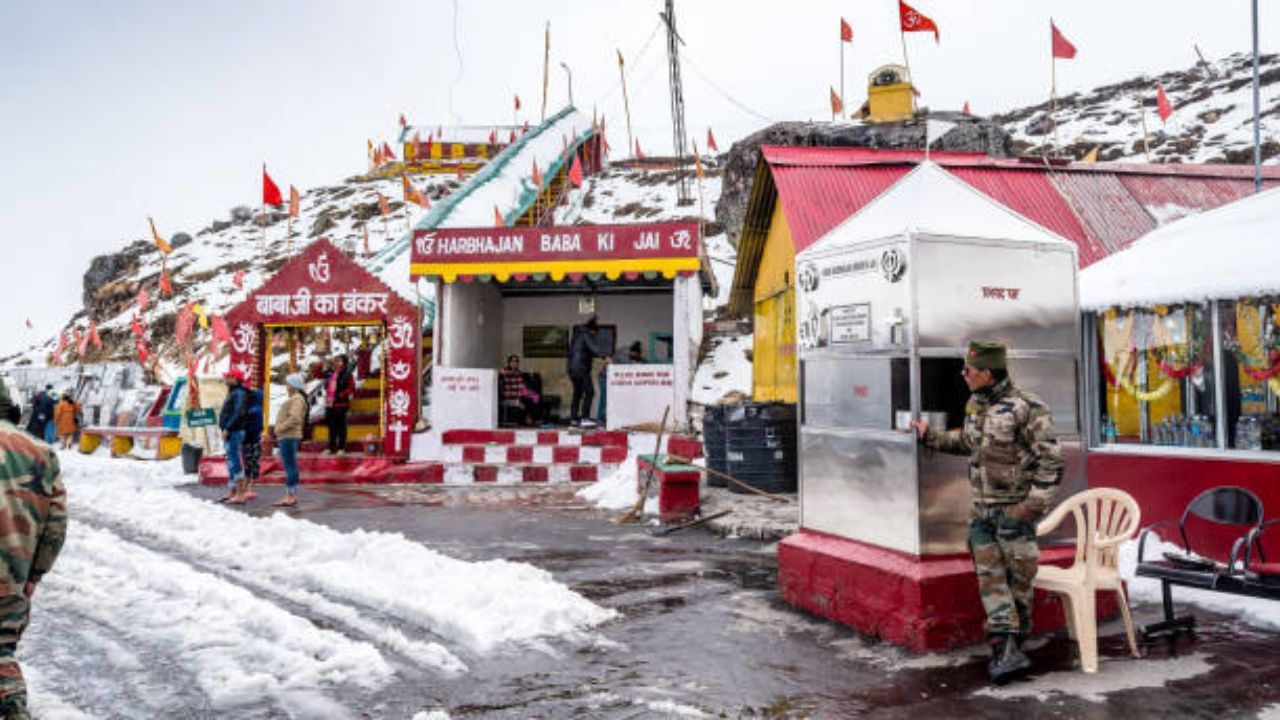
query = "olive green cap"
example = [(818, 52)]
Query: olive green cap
[(986, 355)]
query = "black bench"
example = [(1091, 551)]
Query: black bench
[(1233, 508)]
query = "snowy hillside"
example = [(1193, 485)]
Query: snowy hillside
[(1212, 120)]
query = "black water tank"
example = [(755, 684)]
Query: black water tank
[(760, 446), (713, 443)]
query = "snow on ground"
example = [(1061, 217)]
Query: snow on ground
[(727, 369), (230, 601), (1255, 611), (617, 490)]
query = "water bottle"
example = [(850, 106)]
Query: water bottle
[(1210, 433), (1197, 432)]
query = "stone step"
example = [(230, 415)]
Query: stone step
[(535, 437), (541, 454)]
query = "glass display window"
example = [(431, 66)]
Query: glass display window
[(1250, 337), (1157, 376)]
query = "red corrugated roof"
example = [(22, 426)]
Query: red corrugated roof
[(1102, 208)]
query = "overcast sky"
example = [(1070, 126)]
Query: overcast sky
[(113, 111)]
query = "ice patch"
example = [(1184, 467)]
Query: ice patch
[(431, 715), (1112, 676)]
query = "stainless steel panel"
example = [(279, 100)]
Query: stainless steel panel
[(1053, 380), (848, 393), (844, 294), (945, 499), (860, 486), (1023, 296)]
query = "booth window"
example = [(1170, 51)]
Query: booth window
[(1157, 382), (1251, 372)]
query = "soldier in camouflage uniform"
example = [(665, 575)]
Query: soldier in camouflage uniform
[(1015, 467), (33, 524)]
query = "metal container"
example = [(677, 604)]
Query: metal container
[(884, 322)]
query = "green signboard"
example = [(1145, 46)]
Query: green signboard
[(201, 418)]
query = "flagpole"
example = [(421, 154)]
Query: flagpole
[(1146, 145), (1053, 97), (842, 68), (626, 103), (546, 60), (906, 61)]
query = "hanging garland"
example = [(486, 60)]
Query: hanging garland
[(1150, 395), (1197, 352), (1259, 369)]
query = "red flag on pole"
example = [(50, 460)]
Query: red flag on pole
[(143, 299), (382, 204), (403, 122), (711, 142), (846, 31), (93, 335), (238, 279), (136, 327), (270, 191), (143, 353), (512, 138), (1163, 106), (462, 175), (493, 137), (1062, 48), (966, 107), (82, 341), (62, 346), (537, 175), (575, 172), (166, 286), (639, 153), (386, 152), (913, 21), (295, 201), (837, 107), (517, 102), (182, 328), (220, 329), (498, 220)]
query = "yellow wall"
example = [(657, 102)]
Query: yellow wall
[(774, 346), (890, 103)]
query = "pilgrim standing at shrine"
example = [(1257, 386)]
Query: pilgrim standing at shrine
[(231, 420), (339, 387), (290, 426), (584, 348)]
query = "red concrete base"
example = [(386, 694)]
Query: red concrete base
[(924, 604)]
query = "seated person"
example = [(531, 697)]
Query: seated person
[(516, 391)]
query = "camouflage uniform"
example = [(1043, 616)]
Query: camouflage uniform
[(1014, 458), (33, 525)]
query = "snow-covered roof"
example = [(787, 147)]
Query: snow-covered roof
[(1224, 253), (932, 201)]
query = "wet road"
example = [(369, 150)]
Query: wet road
[(702, 632)]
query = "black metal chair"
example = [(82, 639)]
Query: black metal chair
[(1229, 506)]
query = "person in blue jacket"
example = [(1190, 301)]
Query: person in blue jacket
[(232, 420)]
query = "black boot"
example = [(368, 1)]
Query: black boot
[(1007, 659)]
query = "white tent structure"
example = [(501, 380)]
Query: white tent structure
[(1229, 252)]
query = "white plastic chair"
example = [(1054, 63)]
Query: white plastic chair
[(1105, 517)]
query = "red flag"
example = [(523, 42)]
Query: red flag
[(498, 220), (193, 385), (382, 204), (1062, 48), (386, 152), (537, 176), (186, 322), (837, 107), (166, 287), (575, 172), (143, 353), (462, 175), (427, 152), (238, 279), (493, 137), (525, 129), (846, 31), (82, 341), (517, 102), (220, 329), (93, 335), (136, 327), (377, 157), (62, 346), (966, 107), (913, 21), (639, 153), (512, 138), (403, 122), (295, 201), (143, 299), (1163, 106), (270, 191), (711, 141)]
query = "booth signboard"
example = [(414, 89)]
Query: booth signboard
[(611, 250), (638, 394), (204, 417)]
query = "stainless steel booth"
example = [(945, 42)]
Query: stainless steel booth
[(883, 325)]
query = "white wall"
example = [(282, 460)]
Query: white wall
[(471, 325), (636, 315)]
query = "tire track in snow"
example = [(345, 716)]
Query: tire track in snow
[(238, 650), (368, 623)]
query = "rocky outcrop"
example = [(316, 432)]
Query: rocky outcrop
[(971, 134), (106, 270)]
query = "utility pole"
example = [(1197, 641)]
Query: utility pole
[(546, 60), (677, 100)]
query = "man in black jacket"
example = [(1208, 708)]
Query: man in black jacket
[(584, 348), (232, 421)]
